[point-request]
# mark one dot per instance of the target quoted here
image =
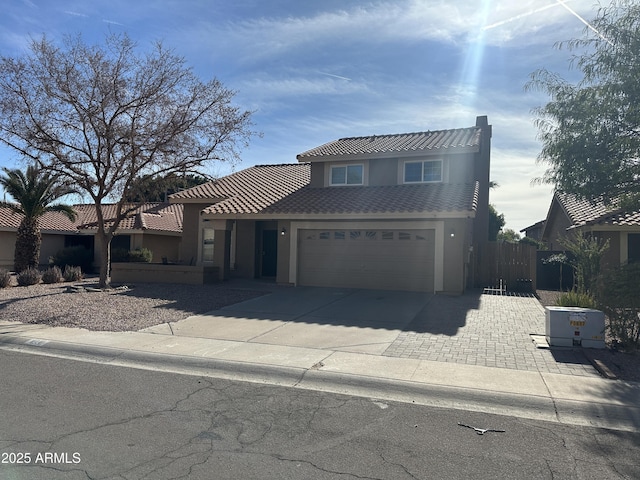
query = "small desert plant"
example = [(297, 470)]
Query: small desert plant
[(5, 278), (52, 275), (574, 298), (140, 255), (78, 256), (30, 276), (72, 274), (619, 299)]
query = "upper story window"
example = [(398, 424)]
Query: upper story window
[(347, 175), (422, 172)]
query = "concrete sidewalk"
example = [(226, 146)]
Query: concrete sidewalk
[(316, 340)]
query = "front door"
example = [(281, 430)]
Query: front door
[(269, 253)]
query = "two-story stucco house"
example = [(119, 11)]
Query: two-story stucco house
[(398, 212)]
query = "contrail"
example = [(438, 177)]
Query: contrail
[(517, 17), (335, 76), (575, 14), (541, 9)]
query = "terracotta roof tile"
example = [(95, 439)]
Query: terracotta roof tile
[(162, 217), (405, 142), (49, 221), (583, 212), (440, 197), (253, 189)]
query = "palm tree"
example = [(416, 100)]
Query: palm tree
[(34, 193)]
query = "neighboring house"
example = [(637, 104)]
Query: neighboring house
[(156, 226), (398, 212), (534, 231), (567, 215)]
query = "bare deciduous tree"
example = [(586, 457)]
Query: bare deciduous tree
[(106, 116)]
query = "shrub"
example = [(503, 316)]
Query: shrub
[(140, 255), (587, 257), (30, 276), (52, 275), (619, 299), (5, 278), (78, 256), (119, 255), (574, 298), (72, 274)]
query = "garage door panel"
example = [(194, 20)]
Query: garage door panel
[(383, 259)]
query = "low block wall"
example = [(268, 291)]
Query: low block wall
[(160, 273)]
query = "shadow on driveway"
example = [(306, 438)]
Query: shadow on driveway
[(444, 315)]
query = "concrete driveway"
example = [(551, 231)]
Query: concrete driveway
[(363, 321), (472, 329)]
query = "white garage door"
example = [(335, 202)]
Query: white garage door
[(379, 259)]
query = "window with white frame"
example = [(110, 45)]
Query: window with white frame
[(207, 244), (423, 171), (347, 175)]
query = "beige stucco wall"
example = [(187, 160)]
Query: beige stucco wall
[(51, 244), (162, 246), (456, 254), (190, 244), (7, 246), (556, 227)]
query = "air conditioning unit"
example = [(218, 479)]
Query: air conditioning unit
[(574, 326)]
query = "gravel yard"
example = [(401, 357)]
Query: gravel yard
[(140, 306)]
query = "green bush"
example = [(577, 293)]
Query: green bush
[(75, 256), (119, 255), (140, 255), (574, 298), (52, 275), (5, 278), (30, 276), (72, 274), (619, 299)]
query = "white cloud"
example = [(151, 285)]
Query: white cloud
[(516, 23)]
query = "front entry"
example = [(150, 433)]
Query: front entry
[(269, 253)]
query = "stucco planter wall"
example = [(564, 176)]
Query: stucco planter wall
[(159, 273)]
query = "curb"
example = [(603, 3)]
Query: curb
[(536, 407)]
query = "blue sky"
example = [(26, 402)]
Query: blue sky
[(317, 70)]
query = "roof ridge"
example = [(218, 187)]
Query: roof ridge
[(421, 132)]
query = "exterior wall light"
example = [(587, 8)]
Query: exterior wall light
[(452, 233), (283, 232)]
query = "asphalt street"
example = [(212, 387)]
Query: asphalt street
[(66, 419)]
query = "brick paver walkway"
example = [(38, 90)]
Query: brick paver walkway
[(489, 330)]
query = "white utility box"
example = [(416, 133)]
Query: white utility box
[(573, 326)]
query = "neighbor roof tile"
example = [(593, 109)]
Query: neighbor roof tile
[(161, 217), (583, 212)]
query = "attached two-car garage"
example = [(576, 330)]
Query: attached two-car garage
[(378, 258)]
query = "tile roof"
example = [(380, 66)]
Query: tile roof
[(162, 217), (250, 190), (583, 212), (437, 197), (49, 221), (441, 140), (147, 216)]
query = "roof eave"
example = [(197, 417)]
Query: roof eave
[(343, 216)]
